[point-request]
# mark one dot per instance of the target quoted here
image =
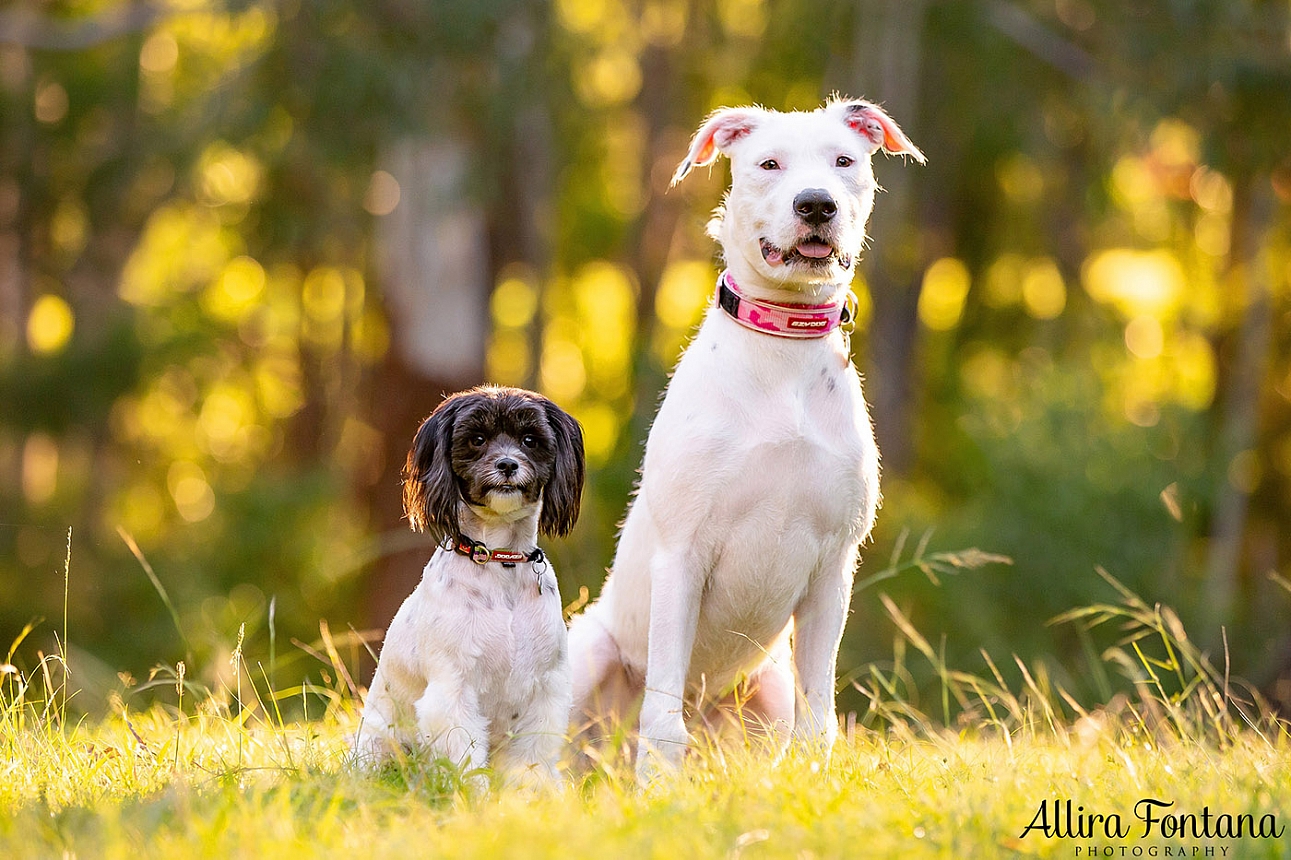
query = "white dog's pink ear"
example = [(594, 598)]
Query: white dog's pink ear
[(870, 122), (722, 128)]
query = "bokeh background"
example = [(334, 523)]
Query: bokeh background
[(246, 246)]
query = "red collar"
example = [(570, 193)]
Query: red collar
[(480, 554), (781, 319)]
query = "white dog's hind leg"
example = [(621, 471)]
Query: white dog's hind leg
[(768, 710), (818, 630), (676, 588)]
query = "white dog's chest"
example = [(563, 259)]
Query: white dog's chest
[(762, 428), (762, 463)]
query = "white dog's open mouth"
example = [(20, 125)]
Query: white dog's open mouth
[(813, 251)]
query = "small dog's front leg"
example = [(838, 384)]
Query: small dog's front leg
[(449, 724), (818, 630), (536, 739), (676, 587)]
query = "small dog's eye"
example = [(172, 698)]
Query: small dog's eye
[(529, 440), (844, 161), (770, 164), (477, 439)]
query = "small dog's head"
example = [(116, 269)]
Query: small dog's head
[(802, 185), (501, 450)]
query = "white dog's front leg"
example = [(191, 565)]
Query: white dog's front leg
[(818, 630), (676, 586)]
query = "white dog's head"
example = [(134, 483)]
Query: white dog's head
[(802, 186)]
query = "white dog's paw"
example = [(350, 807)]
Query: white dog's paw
[(661, 749)]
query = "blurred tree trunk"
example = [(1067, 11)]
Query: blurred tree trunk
[(433, 265), (1242, 373), (887, 40)]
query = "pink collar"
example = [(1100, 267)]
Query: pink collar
[(778, 318)]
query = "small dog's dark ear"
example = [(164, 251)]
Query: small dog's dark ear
[(564, 492), (430, 493)]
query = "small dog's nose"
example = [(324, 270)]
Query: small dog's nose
[(815, 206), (507, 466)]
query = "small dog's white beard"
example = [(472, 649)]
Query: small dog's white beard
[(503, 502)]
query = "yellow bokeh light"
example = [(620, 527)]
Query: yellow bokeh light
[(50, 325), (182, 248), (1132, 182), (1003, 281), (601, 426), (1135, 282), (39, 469), (141, 510), (663, 22), (612, 77), (227, 413), (69, 226), (1193, 363), (236, 291), (864, 310), (941, 299), (1044, 293), (159, 54), (515, 299), (1020, 179), (382, 196), (563, 374), (371, 336), (226, 176), (278, 384), (605, 297), (684, 292), (1211, 190), (1175, 143), (582, 16), (747, 18), (1212, 234), (1144, 337), (51, 102), (507, 358), (988, 373), (191, 492), (323, 294)]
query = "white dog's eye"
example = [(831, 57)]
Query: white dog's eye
[(844, 161), (529, 440), (770, 164)]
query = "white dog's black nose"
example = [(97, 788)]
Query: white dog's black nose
[(507, 466), (815, 206)]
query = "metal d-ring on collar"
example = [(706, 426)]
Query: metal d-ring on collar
[(508, 558)]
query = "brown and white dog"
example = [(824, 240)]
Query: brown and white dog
[(475, 664), (733, 571)]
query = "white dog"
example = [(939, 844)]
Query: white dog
[(733, 572), (475, 663)]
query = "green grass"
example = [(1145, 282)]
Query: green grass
[(220, 773)]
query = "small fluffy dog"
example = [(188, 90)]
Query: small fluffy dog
[(475, 665), (733, 572)]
